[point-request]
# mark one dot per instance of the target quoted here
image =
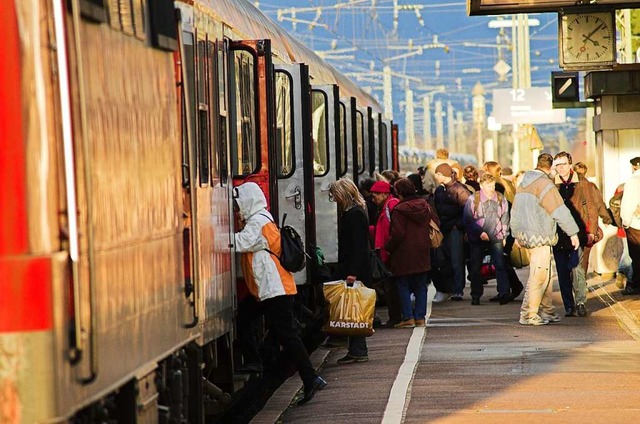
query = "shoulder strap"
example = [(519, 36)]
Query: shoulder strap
[(476, 201)]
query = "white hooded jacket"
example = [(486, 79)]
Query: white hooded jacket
[(263, 273)]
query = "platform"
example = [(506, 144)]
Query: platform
[(477, 364)]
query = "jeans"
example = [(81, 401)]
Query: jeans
[(416, 284), (478, 251), (537, 296), (571, 280), (281, 322), (453, 249)]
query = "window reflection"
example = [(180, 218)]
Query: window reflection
[(247, 158), (284, 127), (320, 144)]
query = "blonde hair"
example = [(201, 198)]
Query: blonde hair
[(346, 194), (487, 177), (494, 168), (442, 153)]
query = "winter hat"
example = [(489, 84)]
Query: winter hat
[(380, 187), (445, 170), (635, 161)]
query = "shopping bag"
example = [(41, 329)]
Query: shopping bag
[(519, 257), (350, 308)]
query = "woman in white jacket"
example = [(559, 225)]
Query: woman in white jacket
[(268, 281)]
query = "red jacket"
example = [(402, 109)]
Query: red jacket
[(382, 228)]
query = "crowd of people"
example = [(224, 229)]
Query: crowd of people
[(548, 214)]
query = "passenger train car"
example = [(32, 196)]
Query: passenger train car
[(124, 126)]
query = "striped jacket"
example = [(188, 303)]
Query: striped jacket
[(537, 209)]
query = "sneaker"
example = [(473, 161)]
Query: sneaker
[(421, 323), (505, 298), (581, 310), (550, 318), (536, 320), (630, 291), (440, 297), (620, 280), (457, 297), (407, 323), (349, 359), (475, 301), (309, 392)]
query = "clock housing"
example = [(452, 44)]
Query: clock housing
[(587, 40)]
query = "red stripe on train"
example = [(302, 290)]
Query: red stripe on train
[(13, 220), (25, 300)]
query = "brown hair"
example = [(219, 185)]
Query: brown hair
[(580, 168), (545, 160), (564, 155), (405, 187)]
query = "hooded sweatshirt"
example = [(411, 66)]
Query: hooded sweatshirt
[(537, 209), (262, 271), (409, 241)]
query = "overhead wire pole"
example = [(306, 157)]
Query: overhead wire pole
[(451, 134), (426, 110)]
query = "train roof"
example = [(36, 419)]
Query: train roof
[(235, 13)]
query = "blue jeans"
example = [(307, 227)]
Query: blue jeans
[(453, 245), (478, 252), (416, 284)]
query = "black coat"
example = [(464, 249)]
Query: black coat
[(450, 201), (354, 248)]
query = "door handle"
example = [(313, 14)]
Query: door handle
[(297, 198)]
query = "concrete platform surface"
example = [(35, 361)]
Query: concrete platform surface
[(477, 364)]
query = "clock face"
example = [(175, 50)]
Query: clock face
[(588, 39)]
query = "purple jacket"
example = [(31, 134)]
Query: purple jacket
[(490, 216)]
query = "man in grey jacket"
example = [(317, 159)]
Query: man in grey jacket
[(537, 209)]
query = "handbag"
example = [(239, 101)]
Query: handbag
[(435, 235), (379, 272), (350, 308), (488, 269)]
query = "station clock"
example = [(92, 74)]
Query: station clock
[(587, 40)]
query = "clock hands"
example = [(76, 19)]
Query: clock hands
[(587, 37)]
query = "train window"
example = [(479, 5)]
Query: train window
[(222, 110), (211, 83), (246, 129), (204, 147), (342, 153), (190, 92), (320, 133), (360, 141), (384, 159), (284, 124)]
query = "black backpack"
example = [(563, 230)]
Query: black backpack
[(292, 254)]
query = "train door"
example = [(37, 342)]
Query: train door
[(252, 110), (294, 147), (325, 115), (360, 162)]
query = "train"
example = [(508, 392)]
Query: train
[(124, 127)]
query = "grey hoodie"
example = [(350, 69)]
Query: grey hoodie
[(537, 209)]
